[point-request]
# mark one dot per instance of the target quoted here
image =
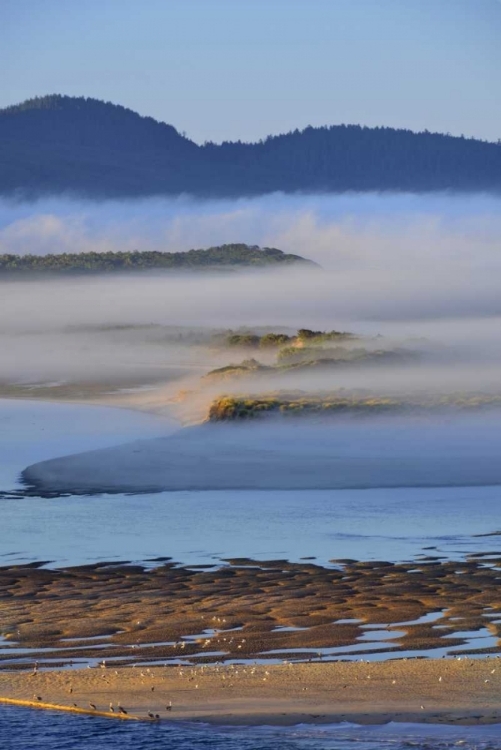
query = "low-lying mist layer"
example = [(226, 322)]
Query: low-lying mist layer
[(384, 256), (346, 453), (420, 270)]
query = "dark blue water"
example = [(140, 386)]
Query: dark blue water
[(25, 729)]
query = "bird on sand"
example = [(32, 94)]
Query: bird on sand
[(111, 708), (92, 705), (121, 710)]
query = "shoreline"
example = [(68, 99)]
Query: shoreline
[(413, 691), (157, 400), (432, 691), (196, 454)]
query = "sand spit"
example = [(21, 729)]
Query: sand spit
[(74, 709), (432, 691), (285, 455), (246, 610), (142, 395)]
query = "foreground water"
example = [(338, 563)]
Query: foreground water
[(37, 730), (202, 527), (190, 527)]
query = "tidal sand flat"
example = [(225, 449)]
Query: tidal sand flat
[(450, 692), (283, 454), (124, 614)]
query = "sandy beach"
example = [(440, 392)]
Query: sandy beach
[(433, 691)]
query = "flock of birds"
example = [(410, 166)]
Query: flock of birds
[(192, 675), (228, 676)]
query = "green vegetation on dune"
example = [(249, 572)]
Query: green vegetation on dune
[(339, 355), (337, 403), (315, 338), (231, 255), (306, 350), (296, 360), (271, 340), (247, 367), (275, 382)]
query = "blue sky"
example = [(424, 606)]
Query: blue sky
[(229, 69)]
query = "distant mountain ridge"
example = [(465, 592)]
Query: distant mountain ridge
[(60, 144)]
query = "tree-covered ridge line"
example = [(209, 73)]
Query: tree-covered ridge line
[(230, 255), (57, 144)]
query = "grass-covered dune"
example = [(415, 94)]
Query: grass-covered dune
[(298, 360), (305, 350), (248, 339), (230, 255), (298, 403)]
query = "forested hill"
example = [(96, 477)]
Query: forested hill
[(236, 255), (58, 144)]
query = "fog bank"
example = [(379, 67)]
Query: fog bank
[(334, 230), (273, 455), (384, 257), (401, 265)]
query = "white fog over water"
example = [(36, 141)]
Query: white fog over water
[(412, 268), (384, 257), (205, 527), (406, 266)]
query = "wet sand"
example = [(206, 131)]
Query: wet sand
[(127, 614), (452, 692)]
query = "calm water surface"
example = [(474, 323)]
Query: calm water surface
[(41, 730), (200, 527)]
